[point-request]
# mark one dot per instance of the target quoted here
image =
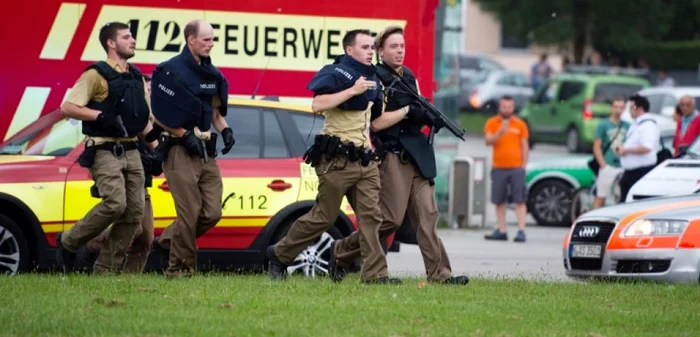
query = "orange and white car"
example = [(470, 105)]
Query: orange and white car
[(655, 239), (267, 185)]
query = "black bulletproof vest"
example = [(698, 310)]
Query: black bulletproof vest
[(406, 134), (126, 98), (182, 92), (342, 75)]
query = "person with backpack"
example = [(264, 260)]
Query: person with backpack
[(609, 134), (638, 154)]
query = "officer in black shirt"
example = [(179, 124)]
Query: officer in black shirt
[(189, 94)]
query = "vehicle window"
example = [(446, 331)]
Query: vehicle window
[(521, 81), (490, 65), (606, 92), (668, 102), (655, 103), (506, 80), (245, 123), (309, 125), (569, 89), (466, 62), (274, 146), (55, 140), (546, 92)]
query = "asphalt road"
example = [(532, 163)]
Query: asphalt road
[(539, 258)]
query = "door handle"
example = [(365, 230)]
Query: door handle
[(279, 185), (164, 186)]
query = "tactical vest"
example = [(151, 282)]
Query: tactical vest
[(183, 91), (405, 134), (126, 98)]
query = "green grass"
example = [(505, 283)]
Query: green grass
[(473, 122), (220, 305)]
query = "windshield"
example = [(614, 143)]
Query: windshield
[(606, 92), (55, 139)]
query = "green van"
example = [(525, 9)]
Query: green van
[(567, 109)]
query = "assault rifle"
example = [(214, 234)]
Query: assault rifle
[(430, 109)]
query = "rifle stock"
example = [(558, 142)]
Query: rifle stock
[(434, 113)]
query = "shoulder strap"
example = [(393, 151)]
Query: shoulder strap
[(104, 70), (607, 147), (135, 71)]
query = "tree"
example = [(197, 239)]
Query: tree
[(606, 24)]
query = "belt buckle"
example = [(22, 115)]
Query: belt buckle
[(118, 150)]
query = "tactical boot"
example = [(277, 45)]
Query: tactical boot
[(384, 280), (335, 272), (65, 258), (163, 254), (276, 269), (458, 280)]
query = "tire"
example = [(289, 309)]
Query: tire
[(550, 201), (313, 260), (14, 250), (573, 140), (581, 203)]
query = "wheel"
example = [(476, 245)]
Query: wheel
[(313, 260), (14, 251), (582, 202), (573, 140), (550, 203)]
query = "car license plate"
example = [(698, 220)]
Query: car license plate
[(586, 251)]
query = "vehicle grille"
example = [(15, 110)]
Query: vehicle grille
[(642, 266), (585, 232), (582, 232)]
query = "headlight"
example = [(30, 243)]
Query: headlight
[(650, 227)]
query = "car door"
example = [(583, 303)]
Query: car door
[(540, 110), (568, 108)]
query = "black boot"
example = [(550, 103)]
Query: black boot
[(65, 258), (335, 272), (163, 254), (276, 269)]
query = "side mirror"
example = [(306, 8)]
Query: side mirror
[(682, 150)]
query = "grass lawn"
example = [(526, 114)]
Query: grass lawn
[(221, 305), (473, 122)]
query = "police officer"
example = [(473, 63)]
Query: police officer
[(346, 93), (140, 248), (189, 95), (111, 100), (407, 170)]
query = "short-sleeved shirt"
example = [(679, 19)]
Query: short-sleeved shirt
[(92, 86), (607, 132), (644, 132), (507, 150)]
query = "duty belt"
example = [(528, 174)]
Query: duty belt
[(117, 148)]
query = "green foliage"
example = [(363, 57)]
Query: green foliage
[(672, 55)]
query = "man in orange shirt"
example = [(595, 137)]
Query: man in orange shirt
[(508, 135)]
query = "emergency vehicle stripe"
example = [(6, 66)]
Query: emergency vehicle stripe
[(54, 227), (62, 31), (29, 108)]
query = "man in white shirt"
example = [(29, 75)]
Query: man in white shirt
[(638, 153)]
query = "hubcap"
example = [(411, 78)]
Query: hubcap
[(552, 203), (313, 260), (9, 252)]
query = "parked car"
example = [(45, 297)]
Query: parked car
[(560, 189), (676, 176), (568, 108), (267, 185), (482, 91), (663, 100), (653, 239)]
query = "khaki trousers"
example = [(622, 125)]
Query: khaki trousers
[(197, 190), (403, 188), (137, 255), (120, 182), (362, 182)]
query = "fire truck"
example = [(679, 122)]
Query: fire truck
[(264, 48)]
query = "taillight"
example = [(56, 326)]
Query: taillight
[(474, 99), (587, 112)]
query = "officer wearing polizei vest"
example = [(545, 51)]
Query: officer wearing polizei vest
[(111, 100), (347, 93), (407, 169), (189, 95)]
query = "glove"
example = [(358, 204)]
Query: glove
[(227, 135), (438, 124), (415, 113), (403, 99), (109, 122), (192, 143)]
